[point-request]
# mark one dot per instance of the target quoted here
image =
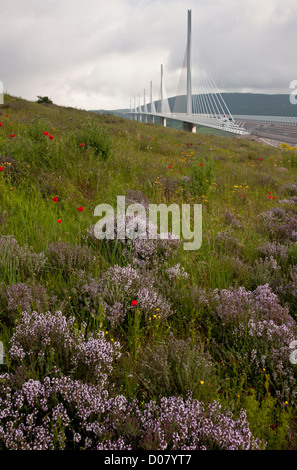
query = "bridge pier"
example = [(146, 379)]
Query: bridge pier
[(189, 127)]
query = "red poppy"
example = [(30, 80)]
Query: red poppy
[(82, 144), (0, 124), (134, 303), (201, 164), (169, 168), (150, 138), (6, 115), (55, 199), (80, 209), (274, 197), (260, 159), (191, 144), (1, 168), (59, 221), (45, 133), (241, 195), (269, 197), (11, 135), (269, 193), (50, 137)]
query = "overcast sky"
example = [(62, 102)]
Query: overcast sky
[(100, 54)]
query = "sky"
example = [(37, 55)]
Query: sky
[(100, 54)]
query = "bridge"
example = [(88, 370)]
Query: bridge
[(198, 101)]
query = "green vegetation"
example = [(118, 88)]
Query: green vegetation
[(216, 322)]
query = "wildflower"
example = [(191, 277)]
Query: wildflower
[(50, 137), (274, 197), (202, 382), (55, 199), (59, 221), (82, 144), (12, 135), (134, 303), (169, 168), (45, 133), (201, 164), (6, 115), (0, 124), (1, 168), (80, 209)]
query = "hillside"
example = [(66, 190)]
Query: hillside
[(250, 103), (140, 344)]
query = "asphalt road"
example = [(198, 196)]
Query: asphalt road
[(287, 134)]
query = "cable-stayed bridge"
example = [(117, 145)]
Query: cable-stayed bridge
[(198, 101)]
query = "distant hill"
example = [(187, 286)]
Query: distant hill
[(260, 104), (243, 103)]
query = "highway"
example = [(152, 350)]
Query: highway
[(287, 134)]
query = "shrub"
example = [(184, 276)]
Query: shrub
[(44, 100), (42, 343), (95, 137), (61, 413), (177, 367), (64, 256), (20, 260)]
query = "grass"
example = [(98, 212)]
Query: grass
[(226, 175)]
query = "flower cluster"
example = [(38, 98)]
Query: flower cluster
[(61, 413), (25, 297), (52, 340), (279, 224), (141, 242), (64, 256), (277, 250), (177, 271), (111, 294)]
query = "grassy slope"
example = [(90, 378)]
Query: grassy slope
[(36, 169)]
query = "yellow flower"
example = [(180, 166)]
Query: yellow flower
[(202, 382)]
